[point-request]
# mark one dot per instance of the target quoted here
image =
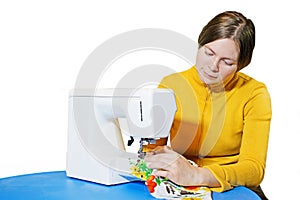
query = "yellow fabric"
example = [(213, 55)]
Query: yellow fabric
[(224, 129)]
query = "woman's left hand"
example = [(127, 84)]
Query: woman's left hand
[(169, 164)]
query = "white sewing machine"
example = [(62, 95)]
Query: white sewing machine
[(97, 119)]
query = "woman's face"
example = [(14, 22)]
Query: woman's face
[(217, 61)]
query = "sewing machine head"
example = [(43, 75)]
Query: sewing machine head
[(97, 119)]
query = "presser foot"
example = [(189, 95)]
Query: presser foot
[(143, 142)]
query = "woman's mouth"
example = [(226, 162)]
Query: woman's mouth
[(209, 75)]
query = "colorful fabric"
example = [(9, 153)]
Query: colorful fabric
[(163, 188)]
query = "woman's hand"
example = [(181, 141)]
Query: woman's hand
[(169, 164)]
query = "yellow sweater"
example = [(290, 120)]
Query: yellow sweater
[(224, 129)]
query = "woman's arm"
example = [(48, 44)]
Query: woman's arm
[(250, 168), (248, 171)]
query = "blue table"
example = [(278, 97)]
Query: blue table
[(57, 186)]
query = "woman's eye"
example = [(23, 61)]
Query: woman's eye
[(228, 63), (209, 53)]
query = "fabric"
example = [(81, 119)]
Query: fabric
[(162, 188), (224, 129)]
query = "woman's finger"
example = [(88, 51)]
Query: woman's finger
[(162, 149), (162, 173)]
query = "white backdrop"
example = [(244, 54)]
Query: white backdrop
[(43, 45)]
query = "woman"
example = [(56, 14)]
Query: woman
[(223, 117)]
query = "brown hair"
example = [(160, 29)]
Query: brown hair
[(235, 26)]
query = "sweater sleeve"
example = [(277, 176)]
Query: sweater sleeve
[(249, 170)]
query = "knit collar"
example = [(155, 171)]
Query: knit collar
[(216, 88)]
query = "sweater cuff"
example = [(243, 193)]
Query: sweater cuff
[(219, 174)]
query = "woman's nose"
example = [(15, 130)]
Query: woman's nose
[(214, 65)]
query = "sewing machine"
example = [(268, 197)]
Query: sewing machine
[(98, 119)]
